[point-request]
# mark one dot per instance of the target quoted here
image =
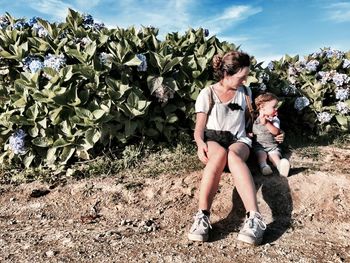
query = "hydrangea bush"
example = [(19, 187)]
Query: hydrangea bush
[(70, 90), (315, 91)]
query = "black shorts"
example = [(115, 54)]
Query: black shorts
[(224, 138)]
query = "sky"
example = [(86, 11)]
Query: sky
[(266, 29)]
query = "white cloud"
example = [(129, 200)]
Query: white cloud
[(229, 17), (339, 12), (173, 15), (55, 8), (237, 13)]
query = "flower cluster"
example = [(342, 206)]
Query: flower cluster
[(328, 53), (346, 63), (342, 94), (105, 58), (17, 143), (342, 107), (143, 64), (39, 29), (312, 65), (289, 90), (339, 79), (324, 117), (32, 64), (206, 32), (20, 25), (55, 61), (161, 91), (4, 22), (300, 103), (88, 22)]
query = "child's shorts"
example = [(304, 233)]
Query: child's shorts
[(269, 150)]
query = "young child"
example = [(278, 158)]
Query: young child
[(265, 128)]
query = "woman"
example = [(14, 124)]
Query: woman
[(221, 139)]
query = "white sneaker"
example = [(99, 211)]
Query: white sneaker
[(200, 228), (283, 167), (266, 170), (253, 229)]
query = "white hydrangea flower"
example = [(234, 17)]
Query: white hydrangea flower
[(312, 65), (17, 143), (346, 63), (143, 66), (342, 107), (105, 58), (339, 79), (55, 61), (300, 103), (342, 94), (270, 66), (324, 117), (161, 91)]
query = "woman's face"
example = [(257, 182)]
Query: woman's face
[(237, 79)]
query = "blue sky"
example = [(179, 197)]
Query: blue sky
[(267, 29)]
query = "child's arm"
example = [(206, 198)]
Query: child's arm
[(269, 125)]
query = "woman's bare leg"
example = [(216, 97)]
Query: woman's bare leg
[(238, 154), (217, 156)]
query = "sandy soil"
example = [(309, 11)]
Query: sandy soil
[(121, 219)]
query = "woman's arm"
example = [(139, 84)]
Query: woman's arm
[(201, 120)]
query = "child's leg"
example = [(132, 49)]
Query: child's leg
[(282, 165), (264, 167)]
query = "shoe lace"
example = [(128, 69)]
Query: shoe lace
[(202, 220), (253, 224)]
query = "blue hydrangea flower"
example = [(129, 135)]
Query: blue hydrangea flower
[(342, 94), (143, 65), (19, 25), (55, 62), (262, 87), (88, 21), (32, 64), (17, 143), (330, 53), (206, 32), (342, 107), (99, 26), (346, 63), (324, 117), (40, 30), (33, 21), (4, 22), (270, 66), (288, 90), (300, 103), (312, 65)]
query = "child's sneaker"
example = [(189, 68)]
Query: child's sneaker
[(200, 228), (253, 229), (283, 167), (266, 170)]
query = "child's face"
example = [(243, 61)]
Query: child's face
[(269, 108)]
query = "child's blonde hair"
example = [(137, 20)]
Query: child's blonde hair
[(265, 97)]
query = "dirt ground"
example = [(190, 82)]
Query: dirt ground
[(121, 219)]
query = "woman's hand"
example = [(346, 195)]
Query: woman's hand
[(280, 137), (202, 152)]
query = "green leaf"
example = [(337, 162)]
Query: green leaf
[(60, 143), (66, 154), (42, 141)]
